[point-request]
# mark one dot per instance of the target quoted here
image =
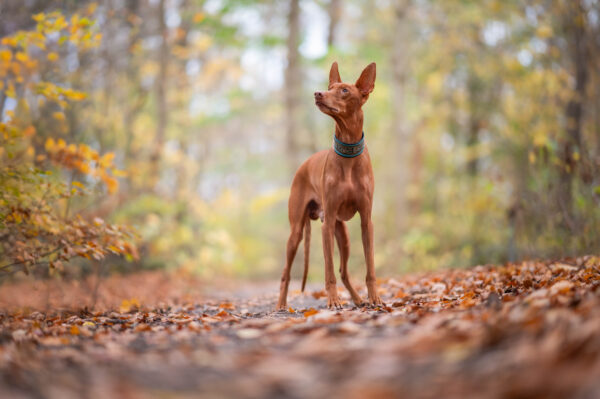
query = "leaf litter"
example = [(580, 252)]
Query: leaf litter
[(529, 329)]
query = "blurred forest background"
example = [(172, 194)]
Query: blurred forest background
[(168, 131)]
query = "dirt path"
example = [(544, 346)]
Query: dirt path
[(526, 330)]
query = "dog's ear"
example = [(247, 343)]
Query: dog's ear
[(334, 75), (366, 82)]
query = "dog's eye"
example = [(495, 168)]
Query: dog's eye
[(344, 90)]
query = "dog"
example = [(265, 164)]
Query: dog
[(334, 185)]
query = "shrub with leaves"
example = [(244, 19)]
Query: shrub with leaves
[(40, 176)]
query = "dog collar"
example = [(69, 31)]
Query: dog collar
[(349, 150)]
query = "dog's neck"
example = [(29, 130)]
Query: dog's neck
[(349, 130)]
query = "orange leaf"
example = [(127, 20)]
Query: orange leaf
[(318, 294), (400, 294), (142, 327)]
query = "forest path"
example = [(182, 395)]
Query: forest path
[(520, 330)]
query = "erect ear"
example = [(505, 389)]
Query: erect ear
[(334, 75), (366, 82)]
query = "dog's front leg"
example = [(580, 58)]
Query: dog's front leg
[(328, 230), (367, 238)]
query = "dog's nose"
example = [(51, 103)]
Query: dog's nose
[(318, 94)]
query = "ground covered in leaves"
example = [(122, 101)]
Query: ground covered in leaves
[(519, 330)]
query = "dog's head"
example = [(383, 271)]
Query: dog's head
[(344, 99)]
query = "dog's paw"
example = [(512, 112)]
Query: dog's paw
[(359, 303), (375, 300), (334, 303)]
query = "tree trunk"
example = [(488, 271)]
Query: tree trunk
[(473, 90), (572, 143), (161, 97), (292, 82), (334, 12), (2, 102), (401, 134)]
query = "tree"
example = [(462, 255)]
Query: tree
[(292, 82), (37, 224)]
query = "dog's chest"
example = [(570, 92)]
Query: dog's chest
[(343, 193)]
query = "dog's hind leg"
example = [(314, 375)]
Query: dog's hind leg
[(366, 226), (343, 241), (297, 213), (306, 251), (292, 247)]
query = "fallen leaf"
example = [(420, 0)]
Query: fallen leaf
[(318, 294), (310, 312)]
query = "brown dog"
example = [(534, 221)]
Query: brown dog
[(334, 184)]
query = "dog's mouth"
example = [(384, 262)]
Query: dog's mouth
[(321, 104)]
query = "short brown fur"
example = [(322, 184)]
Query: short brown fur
[(334, 188)]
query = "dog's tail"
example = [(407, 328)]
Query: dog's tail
[(306, 250)]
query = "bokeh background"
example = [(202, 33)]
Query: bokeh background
[(483, 128)]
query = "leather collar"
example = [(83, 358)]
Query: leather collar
[(349, 150)]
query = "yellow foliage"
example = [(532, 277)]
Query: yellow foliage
[(111, 184), (49, 146), (198, 17), (203, 43), (29, 131), (10, 41), (91, 8), (106, 160), (58, 116), (531, 157), (21, 56), (119, 173), (10, 92), (540, 138), (544, 31), (39, 17), (5, 55)]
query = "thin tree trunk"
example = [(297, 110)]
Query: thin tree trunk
[(129, 115), (473, 90), (335, 12), (476, 96), (182, 187), (136, 99), (401, 134), (2, 102), (574, 114), (292, 82), (161, 97)]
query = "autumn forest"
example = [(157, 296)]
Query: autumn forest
[(147, 148)]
